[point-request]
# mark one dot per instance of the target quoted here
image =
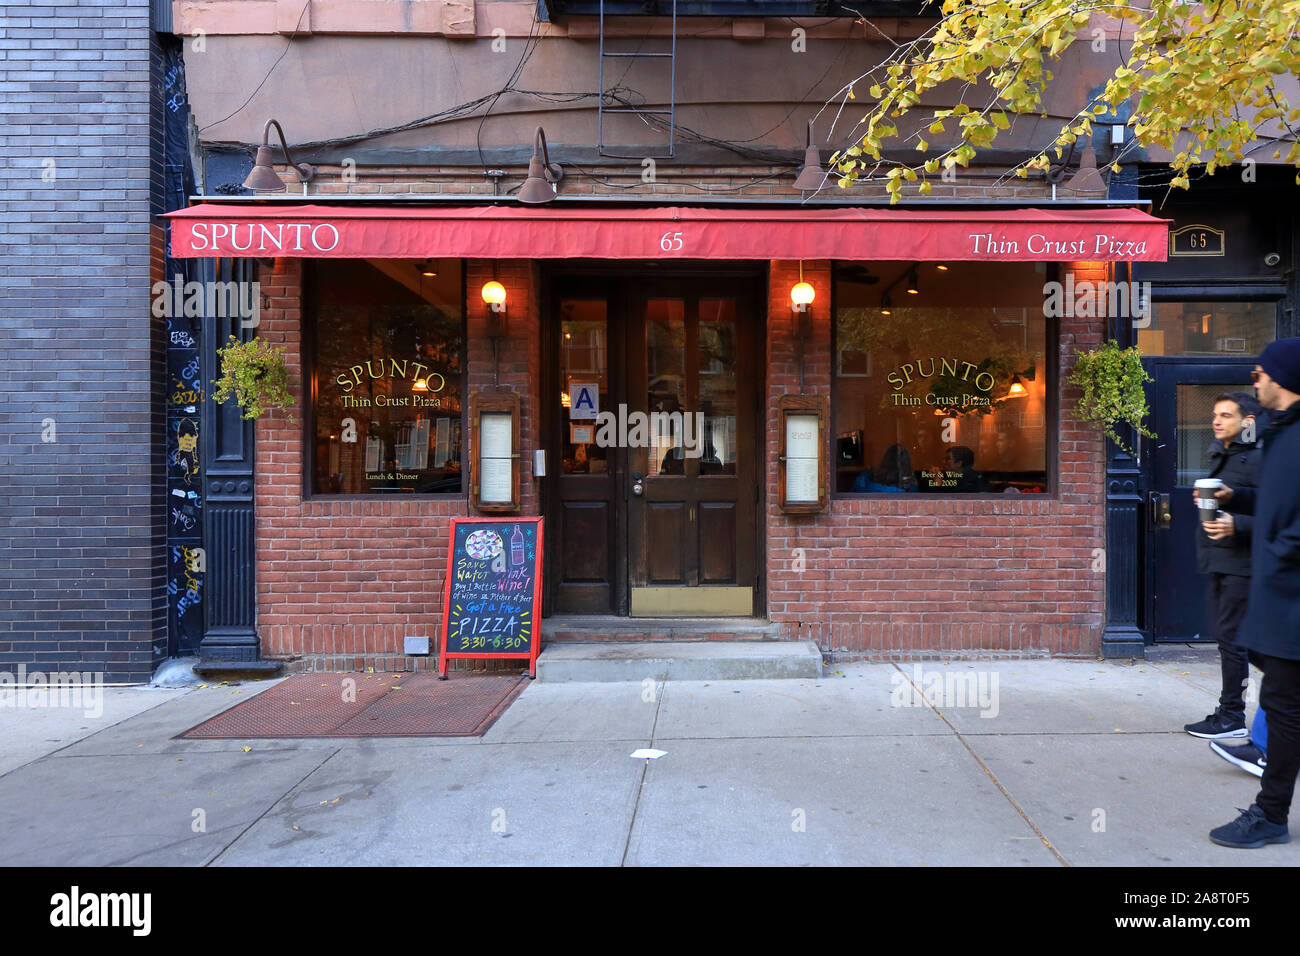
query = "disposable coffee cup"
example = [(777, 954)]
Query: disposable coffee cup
[(1205, 500)]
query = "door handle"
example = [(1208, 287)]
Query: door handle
[(638, 488), (1161, 513)]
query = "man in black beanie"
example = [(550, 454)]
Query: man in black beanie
[(1271, 629)]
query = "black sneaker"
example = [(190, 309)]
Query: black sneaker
[(1214, 727), (1246, 756), (1250, 831)]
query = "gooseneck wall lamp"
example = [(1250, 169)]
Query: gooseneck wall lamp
[(263, 178), (539, 187)]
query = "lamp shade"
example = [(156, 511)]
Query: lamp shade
[(536, 189), (802, 293), (812, 176), (263, 178)]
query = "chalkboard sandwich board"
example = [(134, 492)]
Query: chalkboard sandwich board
[(491, 603)]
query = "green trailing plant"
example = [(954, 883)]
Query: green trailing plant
[(1111, 380), (255, 374)]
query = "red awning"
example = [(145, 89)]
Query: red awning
[(672, 232)]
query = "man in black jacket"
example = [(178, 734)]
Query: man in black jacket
[(1271, 629), (1223, 552)]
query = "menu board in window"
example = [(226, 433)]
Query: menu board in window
[(491, 604)]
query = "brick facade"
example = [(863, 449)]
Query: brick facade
[(82, 572), (341, 581), (887, 578), (672, 180)]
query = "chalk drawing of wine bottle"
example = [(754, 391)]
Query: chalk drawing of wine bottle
[(517, 548)]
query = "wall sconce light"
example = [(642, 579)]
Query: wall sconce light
[(494, 294), (420, 385), (1017, 389), (812, 176), (539, 187), (263, 178), (801, 296)]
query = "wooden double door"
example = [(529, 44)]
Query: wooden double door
[(655, 413)]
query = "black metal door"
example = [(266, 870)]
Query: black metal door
[(1182, 402)]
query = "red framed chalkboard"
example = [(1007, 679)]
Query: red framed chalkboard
[(491, 601)]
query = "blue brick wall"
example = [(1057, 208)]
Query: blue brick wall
[(82, 443)]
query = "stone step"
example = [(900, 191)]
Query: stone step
[(679, 660), (590, 629)]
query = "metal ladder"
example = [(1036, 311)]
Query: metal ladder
[(602, 109)]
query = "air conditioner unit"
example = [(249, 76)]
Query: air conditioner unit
[(1230, 345)]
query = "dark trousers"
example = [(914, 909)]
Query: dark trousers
[(1228, 593), (1279, 695)]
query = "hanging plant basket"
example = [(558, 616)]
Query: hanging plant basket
[(1111, 380), (255, 374)]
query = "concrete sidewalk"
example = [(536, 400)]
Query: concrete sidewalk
[(1080, 763)]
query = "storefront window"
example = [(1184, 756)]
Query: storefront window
[(1238, 329), (941, 378), (386, 365)]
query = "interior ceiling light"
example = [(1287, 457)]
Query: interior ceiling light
[(911, 283), (427, 268), (886, 306), (263, 178), (539, 187)]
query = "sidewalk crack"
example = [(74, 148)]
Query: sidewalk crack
[(272, 805), (645, 768), (983, 766)]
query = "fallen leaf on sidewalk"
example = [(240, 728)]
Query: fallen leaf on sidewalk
[(245, 749)]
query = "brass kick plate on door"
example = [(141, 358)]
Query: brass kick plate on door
[(692, 602)]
